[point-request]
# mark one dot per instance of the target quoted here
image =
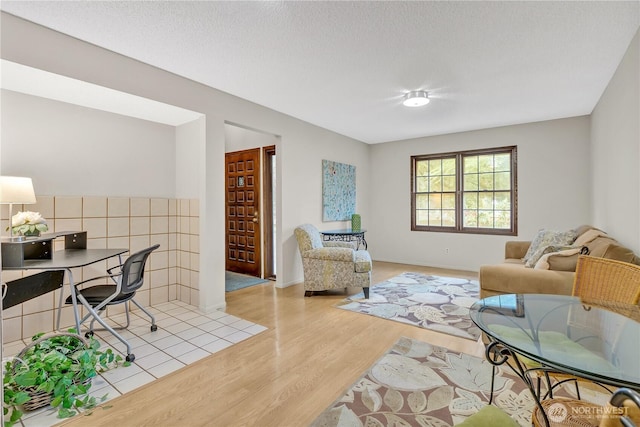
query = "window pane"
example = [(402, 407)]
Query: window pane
[(422, 185), (503, 219), (435, 167), (422, 217), (503, 181), (435, 218), (470, 182), (448, 201), (435, 184), (503, 201), (485, 181), (448, 183), (470, 200), (502, 162), (435, 201), (485, 163), (485, 219), (449, 166), (470, 218), (470, 164), (422, 201), (422, 168), (449, 218), (485, 200)]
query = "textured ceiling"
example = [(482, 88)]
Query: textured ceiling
[(345, 65)]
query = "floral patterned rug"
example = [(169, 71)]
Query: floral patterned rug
[(419, 384), (431, 302)]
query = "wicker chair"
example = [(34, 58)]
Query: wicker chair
[(623, 409), (601, 279), (331, 265), (598, 281)]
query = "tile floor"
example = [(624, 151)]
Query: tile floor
[(184, 336)]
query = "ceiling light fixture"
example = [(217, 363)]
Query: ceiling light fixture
[(416, 98)]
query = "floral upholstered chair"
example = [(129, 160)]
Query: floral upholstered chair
[(331, 265)]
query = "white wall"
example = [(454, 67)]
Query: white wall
[(78, 151), (615, 143), (553, 191), (189, 146), (237, 138)]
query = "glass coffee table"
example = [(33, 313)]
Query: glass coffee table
[(562, 334)]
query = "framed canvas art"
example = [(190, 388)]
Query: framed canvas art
[(338, 191)]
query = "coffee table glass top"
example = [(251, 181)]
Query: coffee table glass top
[(598, 342)]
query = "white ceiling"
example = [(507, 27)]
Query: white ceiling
[(345, 65)]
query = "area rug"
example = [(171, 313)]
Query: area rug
[(419, 384), (431, 302), (234, 281)]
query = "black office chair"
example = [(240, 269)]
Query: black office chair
[(128, 278)]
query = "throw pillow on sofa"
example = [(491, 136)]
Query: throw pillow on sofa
[(546, 238)]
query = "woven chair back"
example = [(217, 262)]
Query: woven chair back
[(606, 280)]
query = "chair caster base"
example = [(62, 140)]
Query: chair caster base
[(154, 328), (130, 357)]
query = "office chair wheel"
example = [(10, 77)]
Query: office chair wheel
[(88, 334), (154, 328), (130, 357)]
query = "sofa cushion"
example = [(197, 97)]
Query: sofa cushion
[(362, 261), (562, 252), (620, 253), (563, 262), (508, 278), (589, 236), (543, 240)]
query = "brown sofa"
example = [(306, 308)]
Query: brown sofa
[(555, 270)]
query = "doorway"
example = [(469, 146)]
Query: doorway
[(242, 196)]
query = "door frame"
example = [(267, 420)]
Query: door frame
[(267, 217)]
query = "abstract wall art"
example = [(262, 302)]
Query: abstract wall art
[(338, 191)]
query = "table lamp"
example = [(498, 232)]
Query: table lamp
[(16, 189)]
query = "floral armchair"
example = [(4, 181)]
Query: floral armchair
[(331, 265)]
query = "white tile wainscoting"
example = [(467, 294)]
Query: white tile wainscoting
[(115, 222)]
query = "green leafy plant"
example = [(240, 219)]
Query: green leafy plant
[(28, 223), (59, 365)]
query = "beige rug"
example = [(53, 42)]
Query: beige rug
[(419, 384), (431, 302)]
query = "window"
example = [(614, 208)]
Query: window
[(467, 192)]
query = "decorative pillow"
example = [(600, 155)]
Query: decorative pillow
[(546, 238), (533, 259), (544, 264)]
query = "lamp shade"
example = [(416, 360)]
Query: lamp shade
[(17, 190)]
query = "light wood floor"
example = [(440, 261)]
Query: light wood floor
[(285, 376)]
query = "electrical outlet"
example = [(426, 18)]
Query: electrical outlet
[(446, 251)]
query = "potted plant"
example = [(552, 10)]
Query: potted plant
[(28, 224), (54, 369)]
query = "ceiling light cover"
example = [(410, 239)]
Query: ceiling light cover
[(416, 98)]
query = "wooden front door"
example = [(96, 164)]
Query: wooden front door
[(243, 213)]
